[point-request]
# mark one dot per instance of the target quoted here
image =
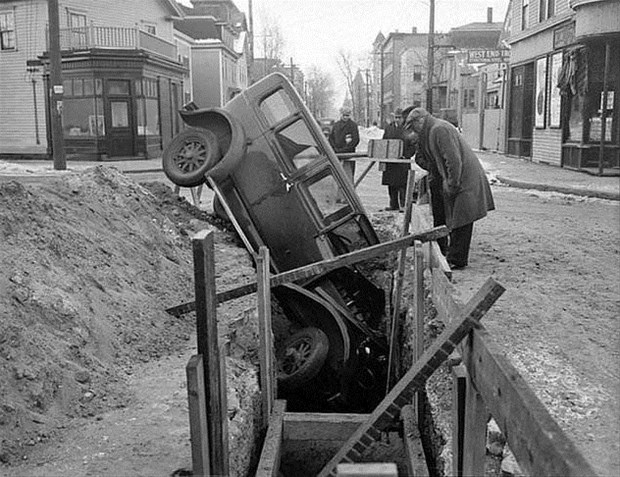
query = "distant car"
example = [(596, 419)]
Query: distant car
[(326, 125), (275, 172)]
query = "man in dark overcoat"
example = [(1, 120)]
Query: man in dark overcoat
[(395, 175), (344, 137), (465, 189)]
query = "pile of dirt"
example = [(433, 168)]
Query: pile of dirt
[(90, 261)]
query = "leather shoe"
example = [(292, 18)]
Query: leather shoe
[(456, 266)]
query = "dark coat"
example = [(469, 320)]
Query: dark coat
[(339, 132), (395, 175), (466, 190)]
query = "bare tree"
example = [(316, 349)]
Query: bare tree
[(320, 92), (271, 42), (347, 68)]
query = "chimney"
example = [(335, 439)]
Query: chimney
[(414, 29), (490, 15)]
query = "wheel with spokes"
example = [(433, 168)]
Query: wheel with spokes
[(301, 358), (190, 155)]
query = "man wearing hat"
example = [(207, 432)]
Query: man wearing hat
[(455, 173), (395, 175), (344, 137)]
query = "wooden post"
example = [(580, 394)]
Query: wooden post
[(269, 462), (459, 390), (266, 356), (198, 429), (474, 432), (56, 93), (208, 347)]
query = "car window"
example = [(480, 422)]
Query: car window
[(324, 193), (298, 144), (277, 106)]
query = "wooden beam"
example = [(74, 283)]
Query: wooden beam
[(389, 408), (208, 347), (197, 406), (537, 441), (363, 174), (443, 291), (416, 460), (309, 426), (475, 432), (368, 469), (418, 313), (269, 463), (265, 335), (324, 266), (459, 391)]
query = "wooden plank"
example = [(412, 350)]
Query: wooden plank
[(269, 463), (416, 460), (475, 431), (434, 258), (208, 347), (537, 441), (308, 426), (459, 390), (443, 292), (265, 335), (324, 266), (394, 339), (418, 312), (197, 407), (368, 469), (389, 408)]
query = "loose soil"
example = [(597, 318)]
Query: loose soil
[(92, 378)]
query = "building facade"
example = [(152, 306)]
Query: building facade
[(213, 42), (122, 82), (564, 82)]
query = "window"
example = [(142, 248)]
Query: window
[(525, 12), (298, 144), (417, 72), (277, 107), (546, 9), (82, 108), (7, 31), (469, 98), (147, 107), (77, 24), (149, 28)]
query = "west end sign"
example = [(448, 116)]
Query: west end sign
[(488, 56)]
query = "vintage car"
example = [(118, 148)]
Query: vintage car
[(281, 184)]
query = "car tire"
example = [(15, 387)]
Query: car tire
[(190, 155), (301, 358)]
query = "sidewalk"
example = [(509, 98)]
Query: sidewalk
[(512, 171)]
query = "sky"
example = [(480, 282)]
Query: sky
[(315, 31)]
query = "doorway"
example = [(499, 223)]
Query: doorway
[(119, 114)]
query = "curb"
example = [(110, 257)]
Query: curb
[(563, 190)]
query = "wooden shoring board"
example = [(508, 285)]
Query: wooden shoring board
[(416, 460), (394, 339), (266, 346), (209, 348), (400, 395), (537, 441), (434, 257), (269, 463), (197, 409), (321, 426), (317, 268)]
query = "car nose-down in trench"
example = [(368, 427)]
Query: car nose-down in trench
[(277, 179)]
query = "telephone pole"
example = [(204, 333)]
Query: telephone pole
[(56, 90), (431, 57)]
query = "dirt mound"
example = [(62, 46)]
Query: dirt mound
[(90, 261)]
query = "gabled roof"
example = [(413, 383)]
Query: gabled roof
[(480, 26), (173, 6)]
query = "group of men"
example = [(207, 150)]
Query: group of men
[(459, 191)]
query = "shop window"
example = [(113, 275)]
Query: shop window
[(147, 108), (492, 100), (594, 117), (7, 31), (82, 109)]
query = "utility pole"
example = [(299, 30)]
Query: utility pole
[(56, 93), (367, 97), (431, 57)]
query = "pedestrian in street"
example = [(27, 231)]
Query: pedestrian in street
[(395, 175), (344, 137), (465, 190)]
